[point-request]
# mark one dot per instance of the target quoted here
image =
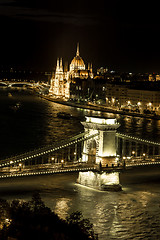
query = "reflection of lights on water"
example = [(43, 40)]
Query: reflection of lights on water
[(62, 207), (116, 225), (145, 198), (87, 187)]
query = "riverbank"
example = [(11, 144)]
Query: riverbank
[(100, 108)]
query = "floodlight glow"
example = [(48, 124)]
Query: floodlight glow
[(101, 120), (97, 180)]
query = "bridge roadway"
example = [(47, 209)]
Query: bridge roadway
[(48, 169), (142, 161), (46, 149)]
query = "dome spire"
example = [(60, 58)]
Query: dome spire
[(77, 49)]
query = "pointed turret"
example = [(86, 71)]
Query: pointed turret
[(61, 66), (88, 66), (57, 68), (91, 68)]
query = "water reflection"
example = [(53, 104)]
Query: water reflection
[(130, 214), (62, 207)]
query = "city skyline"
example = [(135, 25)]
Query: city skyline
[(119, 35)]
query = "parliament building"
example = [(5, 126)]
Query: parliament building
[(70, 84)]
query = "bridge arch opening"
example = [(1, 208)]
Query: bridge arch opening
[(92, 148)]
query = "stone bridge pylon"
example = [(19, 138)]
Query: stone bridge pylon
[(103, 147), (101, 150)]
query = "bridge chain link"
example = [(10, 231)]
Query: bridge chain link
[(46, 150)]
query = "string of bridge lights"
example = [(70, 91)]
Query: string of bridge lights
[(137, 139), (10, 161), (47, 172)]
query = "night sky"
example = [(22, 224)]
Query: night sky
[(120, 35)]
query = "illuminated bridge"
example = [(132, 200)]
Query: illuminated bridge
[(23, 84), (15, 84), (98, 154)]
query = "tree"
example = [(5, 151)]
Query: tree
[(76, 221), (33, 220)]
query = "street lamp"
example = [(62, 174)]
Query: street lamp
[(139, 104), (149, 104), (20, 166), (133, 153), (62, 162), (113, 101), (52, 159)]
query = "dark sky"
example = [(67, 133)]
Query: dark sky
[(120, 35)]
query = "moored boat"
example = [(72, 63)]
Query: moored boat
[(64, 115)]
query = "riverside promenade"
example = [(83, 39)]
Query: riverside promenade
[(101, 108)]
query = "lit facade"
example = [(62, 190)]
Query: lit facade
[(62, 81), (124, 96)]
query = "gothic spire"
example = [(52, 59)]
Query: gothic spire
[(61, 66), (57, 68)]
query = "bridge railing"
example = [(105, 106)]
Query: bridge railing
[(141, 160)]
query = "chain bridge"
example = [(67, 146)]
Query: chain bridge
[(98, 154), (15, 84)]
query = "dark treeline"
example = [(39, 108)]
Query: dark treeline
[(21, 220)]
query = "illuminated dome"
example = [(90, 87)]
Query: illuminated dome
[(77, 62)]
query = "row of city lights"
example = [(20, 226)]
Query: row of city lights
[(128, 102)]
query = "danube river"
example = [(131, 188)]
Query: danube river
[(28, 122)]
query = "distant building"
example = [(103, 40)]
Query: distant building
[(63, 82), (158, 77), (102, 71), (125, 96), (151, 78), (154, 77)]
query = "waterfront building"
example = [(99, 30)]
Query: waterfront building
[(131, 97), (64, 83), (154, 77)]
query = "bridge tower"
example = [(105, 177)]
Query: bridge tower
[(103, 147), (101, 150)]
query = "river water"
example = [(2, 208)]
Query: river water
[(133, 213)]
